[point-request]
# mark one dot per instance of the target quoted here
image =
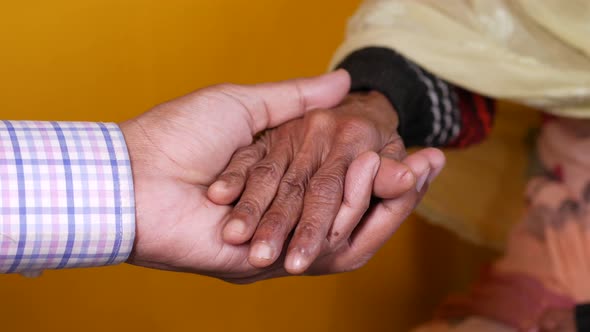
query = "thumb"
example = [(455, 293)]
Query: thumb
[(271, 104), (395, 178)]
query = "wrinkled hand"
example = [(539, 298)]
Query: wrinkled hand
[(178, 148), (294, 178)]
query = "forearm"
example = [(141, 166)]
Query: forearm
[(67, 196)]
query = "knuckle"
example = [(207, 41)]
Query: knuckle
[(274, 223), (309, 230), (266, 169), (354, 133), (251, 152), (321, 120), (293, 187), (232, 176), (395, 149), (248, 207), (326, 185), (357, 126)]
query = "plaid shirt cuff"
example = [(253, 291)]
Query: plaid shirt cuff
[(66, 196)]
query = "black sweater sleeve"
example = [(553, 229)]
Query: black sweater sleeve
[(430, 110), (582, 313)]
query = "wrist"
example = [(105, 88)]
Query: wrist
[(403, 83), (129, 130), (373, 98), (374, 104)]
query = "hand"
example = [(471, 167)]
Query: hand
[(177, 150), (293, 177)]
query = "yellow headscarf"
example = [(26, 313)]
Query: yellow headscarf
[(533, 52)]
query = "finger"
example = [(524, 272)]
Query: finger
[(394, 177), (357, 197), (282, 216), (230, 183), (320, 206), (272, 104), (392, 212), (395, 150), (263, 180), (379, 224), (437, 161), (391, 169)]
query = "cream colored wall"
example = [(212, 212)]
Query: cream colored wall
[(109, 60)]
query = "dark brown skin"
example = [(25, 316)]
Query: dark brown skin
[(293, 180)]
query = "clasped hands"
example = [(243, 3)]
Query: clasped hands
[(218, 193)]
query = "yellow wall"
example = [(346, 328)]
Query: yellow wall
[(109, 60)]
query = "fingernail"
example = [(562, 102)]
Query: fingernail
[(422, 180), (236, 226), (297, 262), (262, 251)]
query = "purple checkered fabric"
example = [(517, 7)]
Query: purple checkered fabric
[(66, 196)]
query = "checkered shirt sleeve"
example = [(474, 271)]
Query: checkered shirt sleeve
[(66, 196)]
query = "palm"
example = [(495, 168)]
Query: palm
[(183, 218), (175, 211)]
